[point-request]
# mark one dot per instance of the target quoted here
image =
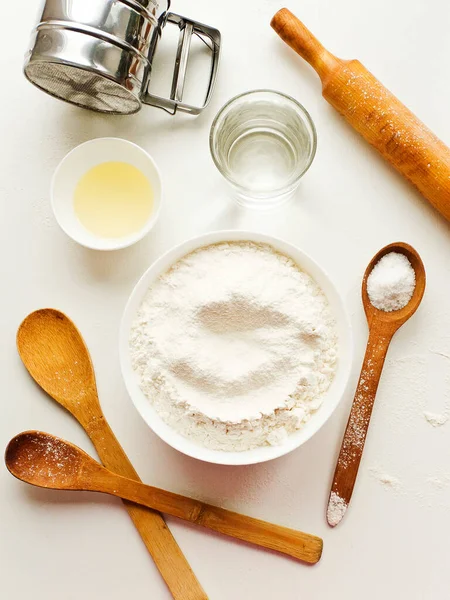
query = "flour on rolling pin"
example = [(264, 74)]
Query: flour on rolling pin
[(376, 114)]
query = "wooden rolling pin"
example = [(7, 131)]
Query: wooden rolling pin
[(375, 113)]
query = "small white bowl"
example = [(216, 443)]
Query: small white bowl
[(264, 453), (80, 160)]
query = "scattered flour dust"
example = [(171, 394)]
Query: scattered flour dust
[(235, 346), (434, 419), (336, 509), (389, 481)]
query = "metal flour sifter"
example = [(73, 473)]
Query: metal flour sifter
[(98, 54)]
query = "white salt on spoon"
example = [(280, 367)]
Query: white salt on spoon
[(391, 283)]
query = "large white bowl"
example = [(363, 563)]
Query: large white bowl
[(257, 455)]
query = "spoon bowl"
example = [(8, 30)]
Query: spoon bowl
[(43, 460), (57, 358), (396, 318)]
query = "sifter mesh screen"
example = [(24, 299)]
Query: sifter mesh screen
[(81, 87)]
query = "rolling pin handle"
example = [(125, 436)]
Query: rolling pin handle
[(301, 40)]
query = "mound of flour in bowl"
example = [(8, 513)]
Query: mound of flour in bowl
[(234, 346)]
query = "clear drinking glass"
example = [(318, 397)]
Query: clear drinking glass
[(263, 142)]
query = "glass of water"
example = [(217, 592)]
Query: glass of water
[(263, 142)]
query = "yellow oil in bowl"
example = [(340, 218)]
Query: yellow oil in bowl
[(113, 200)]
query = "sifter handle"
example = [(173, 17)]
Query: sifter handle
[(212, 38)]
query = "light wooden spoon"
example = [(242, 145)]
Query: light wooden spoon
[(47, 461), (382, 326), (53, 351)]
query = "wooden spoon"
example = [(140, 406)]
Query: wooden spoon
[(57, 358), (50, 462), (382, 326)]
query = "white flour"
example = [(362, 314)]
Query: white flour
[(391, 283), (235, 346), (337, 507), (389, 481), (434, 419)]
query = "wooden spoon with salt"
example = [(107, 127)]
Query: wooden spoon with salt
[(47, 461), (382, 326)]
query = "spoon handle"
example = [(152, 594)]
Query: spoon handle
[(358, 423), (157, 537), (294, 543)]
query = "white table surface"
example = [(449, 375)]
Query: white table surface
[(394, 541)]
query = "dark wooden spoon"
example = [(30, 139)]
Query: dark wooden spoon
[(47, 461), (382, 326)]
